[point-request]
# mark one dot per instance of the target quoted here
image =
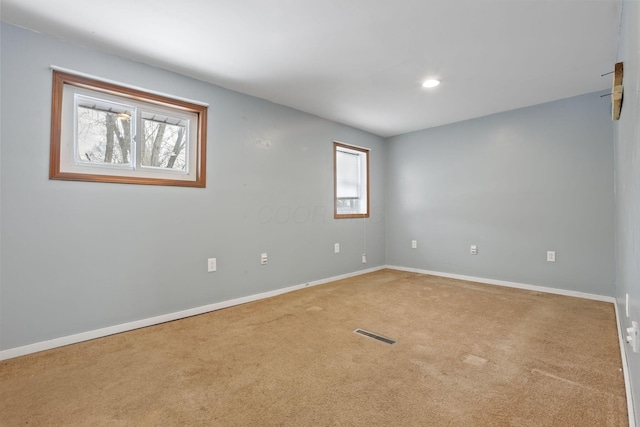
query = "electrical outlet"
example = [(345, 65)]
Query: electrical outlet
[(211, 265), (473, 250), (414, 244), (336, 248), (632, 336), (263, 259), (551, 256)]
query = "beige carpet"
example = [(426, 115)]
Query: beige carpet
[(466, 355)]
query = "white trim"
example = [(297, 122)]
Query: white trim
[(625, 369), (103, 332), (115, 82), (623, 353), (508, 284)]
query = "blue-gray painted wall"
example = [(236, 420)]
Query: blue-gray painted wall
[(79, 256), (627, 184), (516, 184)]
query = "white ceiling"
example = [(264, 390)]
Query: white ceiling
[(358, 62)]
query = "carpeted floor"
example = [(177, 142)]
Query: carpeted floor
[(466, 355)]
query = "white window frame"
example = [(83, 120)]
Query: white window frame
[(65, 163), (362, 199)]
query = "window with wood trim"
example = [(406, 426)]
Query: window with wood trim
[(104, 132), (351, 181)]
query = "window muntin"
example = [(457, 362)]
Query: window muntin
[(351, 181), (108, 133)]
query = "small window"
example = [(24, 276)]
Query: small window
[(108, 133), (351, 167)]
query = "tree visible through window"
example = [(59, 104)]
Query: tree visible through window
[(164, 143), (104, 132)]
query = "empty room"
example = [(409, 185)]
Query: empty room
[(336, 213)]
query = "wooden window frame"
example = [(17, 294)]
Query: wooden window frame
[(62, 79), (366, 151)]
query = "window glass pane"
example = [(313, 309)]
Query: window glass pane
[(346, 206), (99, 131), (164, 142), (103, 132), (348, 174), (351, 181)]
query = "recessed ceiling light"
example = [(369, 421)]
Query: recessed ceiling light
[(431, 83)]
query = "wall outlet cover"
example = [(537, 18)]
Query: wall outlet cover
[(211, 265), (632, 336)]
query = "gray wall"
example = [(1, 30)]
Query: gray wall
[(515, 184), (78, 256), (81, 256), (627, 176)]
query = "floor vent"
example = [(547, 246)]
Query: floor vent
[(374, 336)]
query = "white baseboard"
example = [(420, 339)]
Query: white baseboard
[(621, 338), (103, 332), (625, 369), (508, 284)]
